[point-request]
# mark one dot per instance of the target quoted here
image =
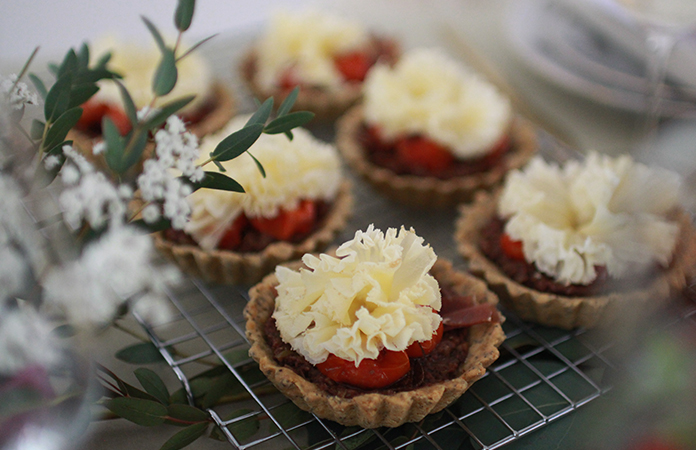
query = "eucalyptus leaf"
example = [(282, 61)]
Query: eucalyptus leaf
[(58, 148), (63, 124), (165, 111), (289, 101), (155, 33), (187, 413), (94, 75), (185, 437), (218, 389), (83, 55), (262, 114), (64, 331), (114, 145), (237, 356), (81, 93), (135, 150), (53, 68), (69, 63), (198, 44), (43, 177), (244, 429), (237, 143), (219, 181), (166, 74), (160, 225), (184, 14), (152, 384), (288, 122), (142, 353), (37, 129), (132, 391), (220, 167), (258, 165), (128, 104), (103, 60), (39, 85), (58, 98), (137, 410)]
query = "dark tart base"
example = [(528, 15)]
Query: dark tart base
[(374, 409), (563, 311)]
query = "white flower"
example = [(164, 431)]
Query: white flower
[(25, 340), (177, 148), (151, 213), (98, 148), (21, 94), (377, 293), (51, 162), (117, 268), (603, 212)]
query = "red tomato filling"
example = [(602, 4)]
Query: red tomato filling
[(288, 223), (419, 152), (370, 373), (419, 349), (512, 248), (354, 65), (93, 111)]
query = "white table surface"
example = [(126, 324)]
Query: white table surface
[(56, 25)]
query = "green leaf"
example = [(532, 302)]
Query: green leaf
[(187, 413), (288, 122), (185, 437), (161, 225), (63, 124), (219, 181), (64, 331), (218, 389), (237, 356), (37, 129), (356, 441), (128, 104), (237, 143), (136, 150), (143, 353), (83, 55), (262, 114), (58, 148), (166, 74), (289, 101), (152, 384), (184, 14), (165, 111), (198, 44), (39, 85), (53, 68), (258, 165), (114, 145), (137, 410), (69, 63), (58, 98), (81, 93), (103, 60), (155, 33), (244, 429)]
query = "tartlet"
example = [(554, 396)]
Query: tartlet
[(238, 238), (374, 409), (432, 137), (328, 91), (580, 305)]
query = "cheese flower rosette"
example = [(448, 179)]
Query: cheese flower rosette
[(303, 168), (606, 212), (428, 93), (306, 43), (375, 294)]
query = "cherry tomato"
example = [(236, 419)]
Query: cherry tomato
[(419, 349), (233, 235), (513, 249), (288, 223), (353, 65), (421, 153), (288, 79), (92, 113), (388, 368)]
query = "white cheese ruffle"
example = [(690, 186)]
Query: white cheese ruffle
[(307, 42), (301, 168), (601, 212), (429, 93), (375, 294)]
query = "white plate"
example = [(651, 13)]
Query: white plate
[(573, 55)]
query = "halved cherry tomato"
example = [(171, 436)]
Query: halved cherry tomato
[(92, 113), (419, 349), (288, 223), (422, 153), (512, 248), (353, 65), (370, 373), (233, 235)]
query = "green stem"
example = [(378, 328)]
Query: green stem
[(25, 68)]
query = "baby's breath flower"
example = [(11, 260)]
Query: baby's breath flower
[(25, 340), (151, 213), (99, 148), (51, 162), (21, 94)]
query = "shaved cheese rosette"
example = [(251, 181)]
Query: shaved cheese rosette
[(307, 42), (138, 63), (375, 294), (297, 169), (428, 93), (610, 212)]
